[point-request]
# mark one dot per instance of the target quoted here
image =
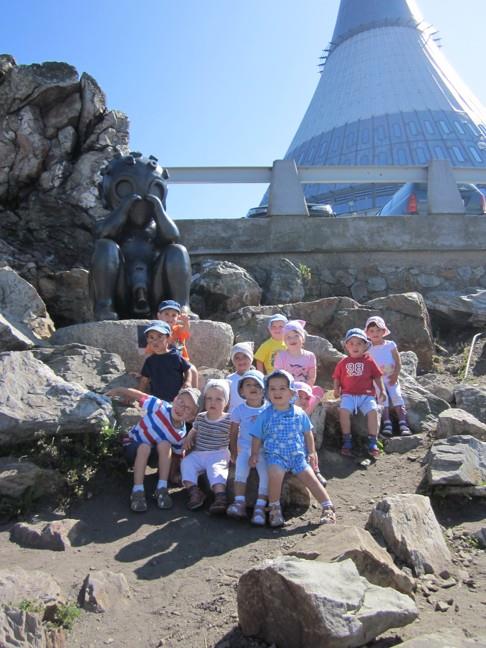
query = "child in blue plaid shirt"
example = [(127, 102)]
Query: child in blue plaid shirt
[(285, 431)]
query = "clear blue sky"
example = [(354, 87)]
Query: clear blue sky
[(221, 82)]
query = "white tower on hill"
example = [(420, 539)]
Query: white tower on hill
[(386, 95)]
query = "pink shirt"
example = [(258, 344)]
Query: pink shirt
[(299, 366)]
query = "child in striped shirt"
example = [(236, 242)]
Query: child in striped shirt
[(208, 441), (159, 432)]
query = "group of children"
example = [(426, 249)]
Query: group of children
[(258, 417)]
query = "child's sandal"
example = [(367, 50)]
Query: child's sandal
[(387, 429), (327, 516), (237, 510), (259, 517), (275, 516), (219, 505), (196, 498), (404, 429)]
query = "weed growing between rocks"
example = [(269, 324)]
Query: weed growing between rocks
[(60, 615), (79, 460)]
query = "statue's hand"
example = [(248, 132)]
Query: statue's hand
[(166, 227)]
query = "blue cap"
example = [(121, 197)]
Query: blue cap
[(169, 303), (277, 318), (255, 375), (160, 327), (285, 374), (358, 333)]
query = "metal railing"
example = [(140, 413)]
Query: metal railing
[(286, 178)]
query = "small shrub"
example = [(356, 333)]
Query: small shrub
[(305, 273), (35, 607), (65, 616)]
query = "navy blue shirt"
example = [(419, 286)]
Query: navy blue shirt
[(166, 374)]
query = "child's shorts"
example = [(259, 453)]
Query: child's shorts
[(213, 462), (295, 463), (353, 404), (393, 395), (243, 469)]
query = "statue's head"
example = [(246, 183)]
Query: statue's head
[(132, 174)]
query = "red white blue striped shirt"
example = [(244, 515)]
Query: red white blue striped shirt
[(156, 425)]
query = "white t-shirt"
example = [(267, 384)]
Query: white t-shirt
[(245, 416), (382, 354)]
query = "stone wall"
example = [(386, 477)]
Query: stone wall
[(360, 257)]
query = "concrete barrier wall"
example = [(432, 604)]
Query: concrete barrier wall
[(363, 257)]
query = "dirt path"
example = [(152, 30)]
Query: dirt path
[(183, 567)]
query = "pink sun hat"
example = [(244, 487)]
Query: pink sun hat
[(379, 322)]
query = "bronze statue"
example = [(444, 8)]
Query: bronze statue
[(137, 259)]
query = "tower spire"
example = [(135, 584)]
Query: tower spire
[(356, 16)]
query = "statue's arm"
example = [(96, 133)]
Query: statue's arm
[(114, 223), (167, 230)]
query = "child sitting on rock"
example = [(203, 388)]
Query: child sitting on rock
[(241, 358), (354, 382), (250, 388), (298, 362), (159, 432), (209, 439), (266, 352), (385, 354), (285, 432), (165, 371)]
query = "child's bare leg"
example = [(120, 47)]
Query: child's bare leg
[(372, 423), (240, 489), (276, 476), (175, 469), (308, 478), (164, 450), (140, 464), (345, 421)]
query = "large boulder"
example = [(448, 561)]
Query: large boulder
[(472, 399), (24, 317), (331, 544), (103, 590), (22, 482), (296, 603), (21, 629), (282, 283), (457, 309), (66, 293), (58, 535), (36, 401), (17, 585), (441, 385), (458, 461), (411, 532), (93, 369), (209, 345), (455, 421), (221, 287), (55, 134)]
